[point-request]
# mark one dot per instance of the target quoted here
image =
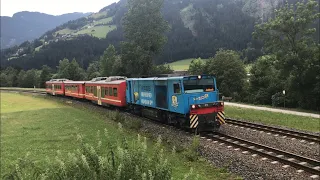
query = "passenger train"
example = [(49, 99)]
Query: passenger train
[(184, 101)]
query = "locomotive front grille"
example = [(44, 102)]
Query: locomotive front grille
[(206, 121)]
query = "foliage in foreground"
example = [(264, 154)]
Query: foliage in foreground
[(117, 159)]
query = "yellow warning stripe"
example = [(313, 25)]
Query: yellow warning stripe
[(221, 118), (221, 114), (194, 121)]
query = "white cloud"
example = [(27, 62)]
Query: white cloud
[(54, 7)]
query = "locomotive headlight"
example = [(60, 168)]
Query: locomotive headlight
[(193, 106), (199, 77), (221, 103)]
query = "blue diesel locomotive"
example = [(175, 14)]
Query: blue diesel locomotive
[(184, 101)]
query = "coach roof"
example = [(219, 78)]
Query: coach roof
[(74, 82), (105, 82)]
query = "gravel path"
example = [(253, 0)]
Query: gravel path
[(273, 110)]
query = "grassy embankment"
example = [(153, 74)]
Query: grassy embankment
[(42, 126), (183, 65), (274, 118)]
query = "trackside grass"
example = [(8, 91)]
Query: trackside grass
[(274, 118), (45, 128)]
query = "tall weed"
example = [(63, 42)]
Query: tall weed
[(122, 160)]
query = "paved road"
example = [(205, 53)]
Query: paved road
[(273, 110)]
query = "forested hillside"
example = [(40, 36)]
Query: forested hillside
[(23, 26), (283, 50), (197, 29)]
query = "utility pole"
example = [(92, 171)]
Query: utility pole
[(284, 99)]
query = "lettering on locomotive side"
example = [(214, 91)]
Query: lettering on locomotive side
[(201, 97), (146, 94), (147, 102)]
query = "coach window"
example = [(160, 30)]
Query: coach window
[(176, 88), (95, 91), (115, 92), (102, 92), (106, 91), (110, 91)]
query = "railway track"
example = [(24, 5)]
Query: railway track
[(275, 130), (301, 163)]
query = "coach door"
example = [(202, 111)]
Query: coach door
[(99, 94), (53, 93)]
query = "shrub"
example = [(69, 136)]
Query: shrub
[(192, 153), (120, 160), (118, 117), (133, 123)]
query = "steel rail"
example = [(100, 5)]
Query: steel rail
[(307, 164), (276, 130)]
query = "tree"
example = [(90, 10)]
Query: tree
[(45, 75), (21, 77), (144, 29), (135, 60), (289, 36), (63, 68), (196, 67), (70, 70), (230, 72), (3, 80), (11, 76), (162, 69), (107, 61), (264, 80), (76, 73), (144, 25), (93, 70), (31, 79)]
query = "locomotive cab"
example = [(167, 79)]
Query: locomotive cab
[(206, 112)]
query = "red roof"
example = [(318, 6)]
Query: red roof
[(106, 82), (74, 82)]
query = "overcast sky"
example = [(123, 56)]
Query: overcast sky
[(54, 7)]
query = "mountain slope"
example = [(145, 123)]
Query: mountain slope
[(197, 29), (23, 26)]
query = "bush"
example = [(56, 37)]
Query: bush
[(118, 117), (133, 123), (192, 153), (119, 160)]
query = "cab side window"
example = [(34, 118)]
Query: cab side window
[(176, 88)]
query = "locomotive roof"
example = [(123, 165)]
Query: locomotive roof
[(157, 78), (169, 78)]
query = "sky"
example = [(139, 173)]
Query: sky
[(53, 7)]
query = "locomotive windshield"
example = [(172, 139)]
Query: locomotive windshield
[(198, 85)]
